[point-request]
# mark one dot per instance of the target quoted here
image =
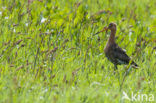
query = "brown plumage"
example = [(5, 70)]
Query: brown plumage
[(113, 52)]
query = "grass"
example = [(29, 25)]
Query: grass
[(48, 52)]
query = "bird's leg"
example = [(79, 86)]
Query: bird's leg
[(128, 70), (115, 68)]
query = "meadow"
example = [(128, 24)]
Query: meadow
[(49, 54)]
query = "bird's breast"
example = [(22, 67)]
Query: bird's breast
[(107, 47)]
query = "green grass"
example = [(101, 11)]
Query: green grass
[(59, 60)]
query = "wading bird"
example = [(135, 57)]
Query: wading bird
[(113, 52)]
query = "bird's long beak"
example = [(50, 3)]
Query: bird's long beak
[(104, 29)]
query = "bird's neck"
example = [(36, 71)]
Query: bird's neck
[(112, 36)]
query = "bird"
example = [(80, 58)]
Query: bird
[(113, 52)]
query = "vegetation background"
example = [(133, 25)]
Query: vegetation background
[(48, 52)]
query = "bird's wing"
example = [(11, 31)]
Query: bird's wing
[(120, 55)]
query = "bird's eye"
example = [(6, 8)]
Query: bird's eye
[(110, 25)]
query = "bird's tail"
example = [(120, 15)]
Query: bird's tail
[(134, 65)]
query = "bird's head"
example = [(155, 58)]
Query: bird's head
[(112, 26)]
